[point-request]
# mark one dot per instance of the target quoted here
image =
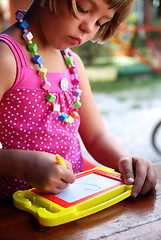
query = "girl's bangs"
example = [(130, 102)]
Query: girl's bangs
[(60, 7)]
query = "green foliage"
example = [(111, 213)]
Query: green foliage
[(132, 19), (90, 52), (127, 82), (155, 22)]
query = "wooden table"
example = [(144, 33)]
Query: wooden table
[(130, 219)]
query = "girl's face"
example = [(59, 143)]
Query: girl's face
[(62, 32)]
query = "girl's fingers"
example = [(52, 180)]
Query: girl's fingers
[(141, 173), (145, 178), (68, 165), (126, 168), (67, 175), (150, 181)]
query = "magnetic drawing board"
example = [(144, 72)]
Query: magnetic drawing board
[(86, 186), (92, 191)]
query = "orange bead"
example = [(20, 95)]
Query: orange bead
[(74, 114), (42, 72)]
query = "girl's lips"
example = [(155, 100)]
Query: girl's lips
[(75, 41)]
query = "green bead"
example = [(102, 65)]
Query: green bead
[(69, 61), (32, 47), (77, 104), (35, 53), (50, 97), (44, 78)]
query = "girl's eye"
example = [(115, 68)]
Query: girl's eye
[(98, 24), (81, 9)]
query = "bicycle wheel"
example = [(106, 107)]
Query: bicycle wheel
[(156, 138)]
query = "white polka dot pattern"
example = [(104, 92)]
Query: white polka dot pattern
[(29, 123)]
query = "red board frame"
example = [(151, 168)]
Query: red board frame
[(66, 204)]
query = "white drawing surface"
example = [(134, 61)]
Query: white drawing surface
[(86, 186)]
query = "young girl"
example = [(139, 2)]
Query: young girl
[(46, 98)]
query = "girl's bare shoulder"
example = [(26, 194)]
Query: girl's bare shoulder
[(8, 69), (78, 60)]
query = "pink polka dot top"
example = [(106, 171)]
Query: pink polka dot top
[(28, 122)]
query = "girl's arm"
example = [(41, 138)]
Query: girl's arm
[(39, 169), (106, 149), (92, 130)]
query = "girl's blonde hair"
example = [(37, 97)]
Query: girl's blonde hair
[(106, 31)]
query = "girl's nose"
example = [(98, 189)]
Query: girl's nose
[(87, 26)]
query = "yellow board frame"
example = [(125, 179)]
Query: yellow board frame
[(50, 214)]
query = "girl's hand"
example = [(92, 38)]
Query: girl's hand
[(43, 173), (140, 172)]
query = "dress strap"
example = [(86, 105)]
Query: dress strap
[(17, 50)]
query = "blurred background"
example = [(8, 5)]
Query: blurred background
[(125, 75)]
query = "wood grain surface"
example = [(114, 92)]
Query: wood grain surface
[(138, 218)]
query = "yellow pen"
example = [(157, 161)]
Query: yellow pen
[(1, 146), (60, 160)]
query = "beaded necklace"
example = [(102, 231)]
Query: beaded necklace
[(42, 72)]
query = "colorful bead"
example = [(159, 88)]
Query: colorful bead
[(70, 119), (73, 70), (23, 25), (19, 10), (42, 72), (56, 108), (77, 92), (77, 104), (63, 117), (25, 30), (40, 65), (76, 81), (46, 85), (32, 47), (64, 52), (29, 42), (64, 84), (74, 114), (28, 36), (19, 16), (35, 53), (50, 97), (69, 61), (37, 59)]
